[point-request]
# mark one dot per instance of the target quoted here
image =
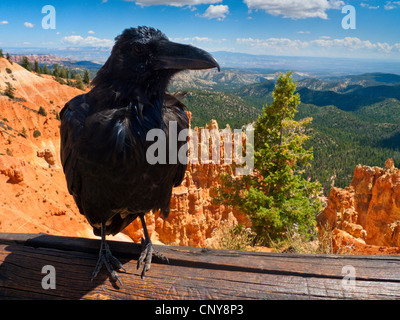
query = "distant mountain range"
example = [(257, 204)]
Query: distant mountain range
[(50, 59), (345, 92), (317, 65)]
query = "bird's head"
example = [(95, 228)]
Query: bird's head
[(143, 56)]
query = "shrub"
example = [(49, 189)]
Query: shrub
[(36, 133), (232, 237), (42, 112), (9, 92), (24, 133)]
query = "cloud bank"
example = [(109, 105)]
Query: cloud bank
[(295, 9)]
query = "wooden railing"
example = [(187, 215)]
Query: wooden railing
[(31, 265)]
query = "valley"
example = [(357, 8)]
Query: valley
[(356, 118)]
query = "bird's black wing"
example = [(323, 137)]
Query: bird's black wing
[(73, 117), (174, 111)]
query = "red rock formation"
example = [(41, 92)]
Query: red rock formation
[(193, 216), (366, 216), (33, 192)]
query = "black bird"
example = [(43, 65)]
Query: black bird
[(103, 136)]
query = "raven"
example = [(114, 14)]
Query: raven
[(103, 137)]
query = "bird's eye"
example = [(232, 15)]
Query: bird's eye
[(138, 48)]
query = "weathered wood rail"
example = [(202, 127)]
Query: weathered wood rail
[(192, 273)]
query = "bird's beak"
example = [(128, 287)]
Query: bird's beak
[(181, 57)]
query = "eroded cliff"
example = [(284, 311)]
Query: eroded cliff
[(365, 217)]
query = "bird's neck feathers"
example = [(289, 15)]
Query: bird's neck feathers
[(112, 89)]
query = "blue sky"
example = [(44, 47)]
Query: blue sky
[(273, 27)]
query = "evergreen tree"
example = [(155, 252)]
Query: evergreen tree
[(36, 67), (25, 63), (79, 82), (1, 53), (276, 198), (9, 58), (56, 70), (63, 73), (86, 77), (46, 70)]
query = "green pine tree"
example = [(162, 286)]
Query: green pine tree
[(56, 70), (9, 58), (86, 77), (79, 82), (277, 198), (25, 63), (46, 70), (36, 67), (63, 73), (1, 53)]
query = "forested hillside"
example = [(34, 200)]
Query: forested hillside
[(341, 140), (356, 119), (226, 108)]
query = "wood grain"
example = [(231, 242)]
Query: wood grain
[(192, 273)]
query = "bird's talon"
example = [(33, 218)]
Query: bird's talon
[(115, 277), (106, 258)]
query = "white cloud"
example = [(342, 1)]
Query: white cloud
[(198, 40), (345, 45), (216, 12), (366, 5), (390, 5), (28, 25), (201, 39), (91, 32), (88, 41), (175, 3), (303, 32), (276, 45), (351, 43), (295, 9), (3, 22)]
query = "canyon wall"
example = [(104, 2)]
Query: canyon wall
[(364, 218)]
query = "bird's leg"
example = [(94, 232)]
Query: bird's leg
[(147, 250), (106, 258)]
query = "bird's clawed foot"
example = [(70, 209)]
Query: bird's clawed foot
[(146, 256), (107, 259)]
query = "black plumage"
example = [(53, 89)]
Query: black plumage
[(103, 136)]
